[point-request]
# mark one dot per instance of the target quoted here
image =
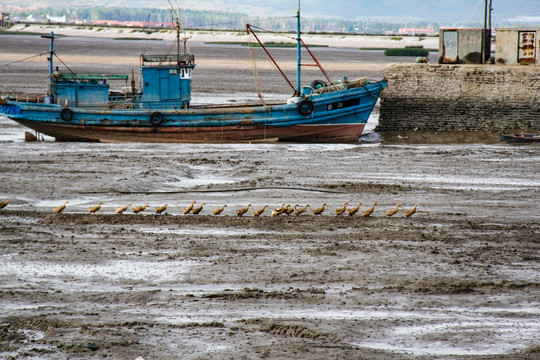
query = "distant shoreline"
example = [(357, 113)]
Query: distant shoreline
[(330, 40)]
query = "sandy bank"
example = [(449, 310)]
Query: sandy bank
[(346, 41)]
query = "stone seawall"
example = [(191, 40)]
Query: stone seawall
[(460, 98)]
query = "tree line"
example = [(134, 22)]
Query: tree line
[(198, 19)]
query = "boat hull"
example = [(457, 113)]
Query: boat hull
[(299, 133), (339, 116), (520, 138)]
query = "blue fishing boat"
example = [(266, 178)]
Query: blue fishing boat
[(520, 138), (81, 107)]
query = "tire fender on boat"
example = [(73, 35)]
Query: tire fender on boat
[(317, 84), (156, 118), (305, 107), (66, 114), (128, 107)]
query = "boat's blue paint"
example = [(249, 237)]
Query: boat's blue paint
[(274, 115), (80, 107), (520, 138), (166, 86), (12, 110)]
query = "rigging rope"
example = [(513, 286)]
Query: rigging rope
[(67, 67), (33, 56), (472, 14), (30, 57), (274, 32), (255, 72)]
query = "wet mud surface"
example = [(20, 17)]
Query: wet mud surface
[(459, 279)]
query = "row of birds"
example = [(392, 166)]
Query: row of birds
[(283, 209)]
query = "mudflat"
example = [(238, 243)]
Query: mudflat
[(457, 279)]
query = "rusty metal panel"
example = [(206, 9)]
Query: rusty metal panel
[(526, 47)]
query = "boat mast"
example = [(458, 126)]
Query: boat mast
[(178, 38), (298, 52), (51, 54), (177, 23)]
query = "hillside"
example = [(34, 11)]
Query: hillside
[(447, 12)]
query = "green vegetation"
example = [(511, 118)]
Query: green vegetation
[(407, 47), (409, 51), (198, 19), (135, 38), (266, 44), (277, 44), (7, 32)]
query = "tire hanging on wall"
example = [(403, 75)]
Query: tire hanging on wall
[(156, 118), (66, 114), (305, 107)]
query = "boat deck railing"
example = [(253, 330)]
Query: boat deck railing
[(237, 105), (30, 98), (168, 58), (87, 78), (342, 85)]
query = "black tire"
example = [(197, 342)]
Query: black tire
[(156, 118), (305, 107), (318, 84), (66, 114)]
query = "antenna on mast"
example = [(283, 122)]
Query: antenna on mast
[(182, 25), (177, 27)]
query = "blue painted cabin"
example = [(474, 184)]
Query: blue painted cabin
[(83, 90), (166, 82)]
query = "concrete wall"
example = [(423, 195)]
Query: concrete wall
[(441, 97), (507, 45)]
